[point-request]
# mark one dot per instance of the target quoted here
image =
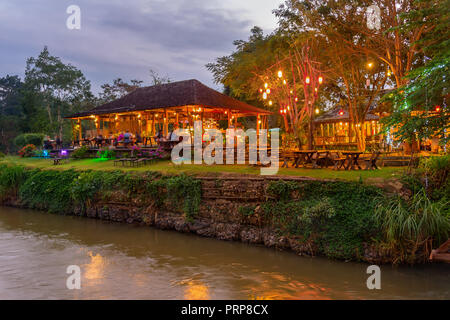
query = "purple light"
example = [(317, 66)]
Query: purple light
[(64, 152)]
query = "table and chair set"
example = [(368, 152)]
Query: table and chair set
[(347, 160)]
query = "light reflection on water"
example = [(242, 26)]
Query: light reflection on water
[(131, 262)]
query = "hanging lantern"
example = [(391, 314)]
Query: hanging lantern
[(320, 80), (307, 80)]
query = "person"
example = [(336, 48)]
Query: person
[(127, 138), (172, 135), (58, 142), (159, 136), (138, 138), (47, 143)]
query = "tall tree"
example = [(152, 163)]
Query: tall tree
[(10, 110), (59, 85)]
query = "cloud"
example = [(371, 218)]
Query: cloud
[(126, 38)]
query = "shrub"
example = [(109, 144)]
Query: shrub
[(106, 153), (2, 155), (11, 177), (27, 151), (22, 140), (81, 153), (412, 227)]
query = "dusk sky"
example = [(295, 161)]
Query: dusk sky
[(127, 38)]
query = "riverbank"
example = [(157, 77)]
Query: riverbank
[(308, 216)]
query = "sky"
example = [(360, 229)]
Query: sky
[(125, 39)]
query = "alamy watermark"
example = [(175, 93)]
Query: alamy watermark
[(73, 22), (374, 280), (74, 280), (235, 147)]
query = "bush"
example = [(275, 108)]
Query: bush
[(106, 153), (2, 155), (412, 227), (24, 139), (11, 177), (81, 153), (27, 151)]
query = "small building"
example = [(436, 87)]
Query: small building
[(147, 110), (334, 129)]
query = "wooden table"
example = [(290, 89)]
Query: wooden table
[(306, 155), (352, 159)]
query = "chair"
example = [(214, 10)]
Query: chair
[(338, 159), (371, 163)]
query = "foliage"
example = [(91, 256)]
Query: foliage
[(80, 153), (48, 190), (189, 190), (22, 140), (2, 155), (436, 171), (27, 151), (426, 86), (334, 218), (412, 227), (11, 177), (247, 211), (106, 153)]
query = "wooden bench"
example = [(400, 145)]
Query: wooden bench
[(371, 163)]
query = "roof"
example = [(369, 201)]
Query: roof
[(174, 94), (334, 116)]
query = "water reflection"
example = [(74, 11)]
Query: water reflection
[(132, 262)]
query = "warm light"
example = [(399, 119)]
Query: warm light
[(264, 95), (139, 115), (315, 89), (270, 102), (92, 116), (288, 107), (284, 81), (437, 108), (317, 110), (389, 73), (261, 90), (266, 85), (370, 65), (307, 80), (268, 91), (320, 80), (259, 121), (280, 74), (341, 112), (285, 111)]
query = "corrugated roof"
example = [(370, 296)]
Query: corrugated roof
[(174, 94)]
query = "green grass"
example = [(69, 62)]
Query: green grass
[(168, 167)]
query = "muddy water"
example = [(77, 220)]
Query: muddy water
[(121, 261)]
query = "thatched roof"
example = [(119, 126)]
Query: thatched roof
[(334, 116), (170, 95)]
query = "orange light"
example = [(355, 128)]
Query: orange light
[(437, 108), (296, 99), (284, 81), (307, 80), (266, 85), (280, 74), (260, 90), (264, 95), (341, 112), (270, 102), (288, 107), (268, 91), (320, 80)]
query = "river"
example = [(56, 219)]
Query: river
[(120, 261)]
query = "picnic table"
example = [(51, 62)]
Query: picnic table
[(352, 159)]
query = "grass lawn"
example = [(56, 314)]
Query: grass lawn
[(168, 167)]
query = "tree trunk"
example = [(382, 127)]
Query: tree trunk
[(360, 137)]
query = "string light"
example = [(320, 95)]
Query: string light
[(320, 80), (266, 85), (270, 103), (261, 90), (341, 112), (317, 111), (280, 74), (284, 81), (268, 91), (307, 80), (264, 95)]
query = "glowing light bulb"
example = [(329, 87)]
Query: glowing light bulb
[(320, 80), (264, 95), (317, 111), (270, 103), (266, 85), (307, 80), (280, 74), (268, 91)]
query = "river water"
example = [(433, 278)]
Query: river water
[(120, 261)]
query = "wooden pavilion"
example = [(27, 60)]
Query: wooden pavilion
[(334, 129), (149, 109)]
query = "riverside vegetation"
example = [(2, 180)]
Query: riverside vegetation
[(337, 219)]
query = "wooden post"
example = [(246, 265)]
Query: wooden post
[(257, 124), (229, 118), (165, 124), (80, 131)]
